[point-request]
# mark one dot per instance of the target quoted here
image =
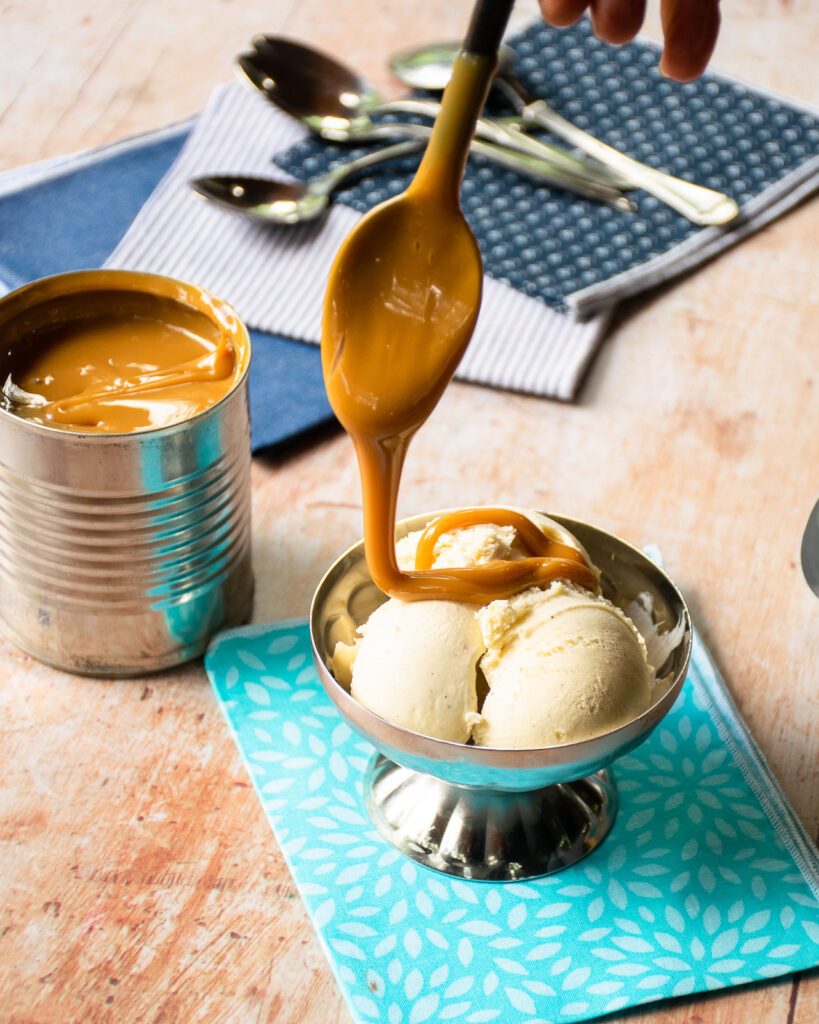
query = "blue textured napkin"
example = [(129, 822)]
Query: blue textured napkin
[(69, 214), (706, 881)]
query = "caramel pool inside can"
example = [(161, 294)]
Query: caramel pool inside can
[(116, 361)]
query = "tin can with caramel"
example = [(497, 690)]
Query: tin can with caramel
[(122, 553)]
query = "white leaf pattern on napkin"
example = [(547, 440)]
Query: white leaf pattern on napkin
[(593, 939)]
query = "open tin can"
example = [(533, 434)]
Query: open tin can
[(122, 554)]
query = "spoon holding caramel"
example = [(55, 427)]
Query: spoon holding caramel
[(401, 305)]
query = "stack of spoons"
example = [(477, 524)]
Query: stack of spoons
[(340, 106)]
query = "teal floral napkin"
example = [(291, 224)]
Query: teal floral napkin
[(707, 879)]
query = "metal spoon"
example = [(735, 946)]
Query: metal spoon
[(430, 67), (293, 203), (810, 550), (279, 202), (363, 129), (15, 395), (403, 297), (338, 104)]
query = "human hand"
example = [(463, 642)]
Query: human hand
[(690, 28)]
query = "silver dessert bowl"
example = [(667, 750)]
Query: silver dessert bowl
[(483, 812)]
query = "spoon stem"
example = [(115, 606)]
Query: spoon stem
[(699, 204), (444, 160), (333, 178)]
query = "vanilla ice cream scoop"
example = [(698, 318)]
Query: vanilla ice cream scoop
[(562, 665), (415, 666)]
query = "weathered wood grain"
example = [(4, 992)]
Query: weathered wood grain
[(138, 879)]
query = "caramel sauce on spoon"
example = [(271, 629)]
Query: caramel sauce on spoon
[(401, 305)]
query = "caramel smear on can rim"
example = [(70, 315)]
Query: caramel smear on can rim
[(122, 370), (401, 305)]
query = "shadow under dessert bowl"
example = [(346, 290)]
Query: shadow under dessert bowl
[(124, 471), (493, 812)]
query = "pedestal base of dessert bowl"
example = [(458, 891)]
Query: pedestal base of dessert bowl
[(487, 835), (494, 813)]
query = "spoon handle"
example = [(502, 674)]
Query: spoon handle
[(486, 27), (505, 133), (333, 178), (700, 205), (541, 170)]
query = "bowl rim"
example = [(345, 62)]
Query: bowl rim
[(419, 744)]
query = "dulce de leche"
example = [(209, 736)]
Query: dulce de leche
[(118, 361), (401, 306)]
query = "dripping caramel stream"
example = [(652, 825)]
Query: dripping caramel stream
[(401, 306)]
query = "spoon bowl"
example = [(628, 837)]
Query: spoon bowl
[(271, 201), (407, 255), (430, 67), (304, 81)]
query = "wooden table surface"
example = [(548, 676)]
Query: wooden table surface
[(139, 881)]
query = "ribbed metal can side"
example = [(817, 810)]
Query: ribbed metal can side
[(125, 584), (88, 554)]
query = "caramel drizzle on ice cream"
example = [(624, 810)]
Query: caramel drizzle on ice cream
[(548, 559)]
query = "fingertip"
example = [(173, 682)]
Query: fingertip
[(617, 23), (690, 28), (681, 69), (563, 13)]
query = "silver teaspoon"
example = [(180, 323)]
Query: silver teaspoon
[(430, 67), (279, 202), (293, 203)]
